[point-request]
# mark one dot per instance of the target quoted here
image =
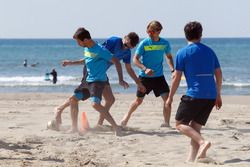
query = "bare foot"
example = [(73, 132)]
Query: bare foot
[(58, 115), (166, 125), (203, 149), (82, 131), (118, 131), (124, 123), (72, 130)]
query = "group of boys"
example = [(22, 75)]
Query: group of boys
[(198, 62)]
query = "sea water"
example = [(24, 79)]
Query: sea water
[(43, 55)]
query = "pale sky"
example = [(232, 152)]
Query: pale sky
[(104, 18)]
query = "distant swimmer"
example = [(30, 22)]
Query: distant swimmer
[(34, 65), (54, 74), (25, 63)]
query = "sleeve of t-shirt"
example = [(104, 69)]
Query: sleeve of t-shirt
[(140, 49), (127, 58), (216, 64), (108, 44), (167, 48), (179, 62)]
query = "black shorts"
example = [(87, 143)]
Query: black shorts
[(191, 109), (159, 86)]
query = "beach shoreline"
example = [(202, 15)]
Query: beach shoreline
[(25, 140)]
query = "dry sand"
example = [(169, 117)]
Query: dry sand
[(25, 140)]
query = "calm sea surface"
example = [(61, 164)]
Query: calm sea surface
[(46, 54)]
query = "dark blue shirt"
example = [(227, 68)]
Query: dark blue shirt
[(114, 45), (198, 62)]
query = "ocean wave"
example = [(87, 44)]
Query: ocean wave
[(37, 81), (236, 84), (72, 80)]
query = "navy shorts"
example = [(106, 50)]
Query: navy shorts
[(191, 109), (82, 91), (96, 89), (159, 86), (92, 90)]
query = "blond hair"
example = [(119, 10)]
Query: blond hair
[(155, 25)]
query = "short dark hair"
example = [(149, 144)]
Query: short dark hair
[(81, 34), (193, 30), (134, 38)]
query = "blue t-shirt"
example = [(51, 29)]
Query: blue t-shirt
[(96, 59), (198, 62), (114, 45), (152, 54)]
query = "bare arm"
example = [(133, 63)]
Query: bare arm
[(119, 71), (218, 78), (170, 62), (174, 85), (68, 62), (137, 62), (134, 77)]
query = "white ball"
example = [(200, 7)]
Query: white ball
[(52, 125)]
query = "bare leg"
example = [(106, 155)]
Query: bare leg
[(105, 114), (59, 110), (74, 114), (203, 149), (166, 111), (132, 108), (195, 136), (109, 101), (194, 146)]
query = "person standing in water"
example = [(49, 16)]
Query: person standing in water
[(54, 75), (25, 63)]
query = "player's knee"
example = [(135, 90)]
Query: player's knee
[(178, 126), (138, 102), (73, 100), (95, 105), (111, 101)]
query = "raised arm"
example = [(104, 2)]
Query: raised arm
[(69, 62)]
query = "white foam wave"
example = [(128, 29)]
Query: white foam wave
[(37, 81), (72, 80), (237, 84)]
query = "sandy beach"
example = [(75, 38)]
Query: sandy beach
[(26, 141)]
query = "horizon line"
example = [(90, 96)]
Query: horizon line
[(36, 38)]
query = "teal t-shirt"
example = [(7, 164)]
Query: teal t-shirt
[(96, 60), (152, 55)]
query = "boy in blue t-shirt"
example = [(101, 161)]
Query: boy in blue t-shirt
[(203, 75), (96, 60), (120, 49), (149, 58)]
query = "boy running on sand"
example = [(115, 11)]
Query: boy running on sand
[(203, 75)]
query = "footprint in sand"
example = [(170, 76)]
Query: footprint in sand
[(244, 148), (226, 121), (209, 160)]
